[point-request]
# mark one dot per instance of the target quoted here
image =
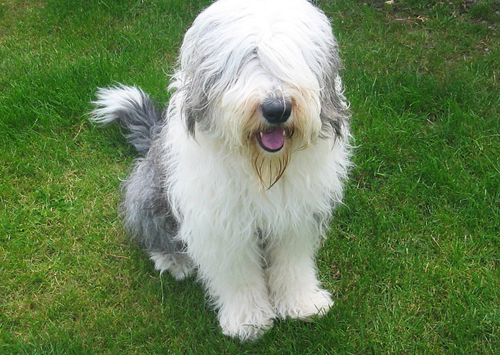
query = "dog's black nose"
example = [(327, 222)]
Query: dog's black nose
[(276, 110)]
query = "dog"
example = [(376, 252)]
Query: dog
[(238, 176)]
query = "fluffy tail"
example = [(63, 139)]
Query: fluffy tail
[(132, 109)]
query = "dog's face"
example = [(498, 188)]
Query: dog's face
[(264, 86), (269, 119)]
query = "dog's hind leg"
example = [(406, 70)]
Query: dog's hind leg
[(178, 264), (148, 218)]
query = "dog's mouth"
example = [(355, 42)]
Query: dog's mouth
[(273, 139)]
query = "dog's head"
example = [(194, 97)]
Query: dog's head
[(262, 77)]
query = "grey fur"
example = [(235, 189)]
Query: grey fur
[(334, 112), (143, 123), (147, 214), (142, 119), (145, 209)]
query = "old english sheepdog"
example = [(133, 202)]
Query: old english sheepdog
[(238, 176)]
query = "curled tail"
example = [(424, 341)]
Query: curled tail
[(132, 109)]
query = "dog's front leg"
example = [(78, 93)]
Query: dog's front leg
[(231, 269), (293, 284)]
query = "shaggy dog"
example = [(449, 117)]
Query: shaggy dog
[(238, 176)]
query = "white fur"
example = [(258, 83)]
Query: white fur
[(251, 221), (179, 266), (212, 186), (112, 100), (223, 207)]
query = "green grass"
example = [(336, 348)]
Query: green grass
[(413, 256)]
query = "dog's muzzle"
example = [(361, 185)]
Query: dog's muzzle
[(276, 112)]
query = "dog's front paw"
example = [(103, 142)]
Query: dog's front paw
[(304, 306), (245, 325)]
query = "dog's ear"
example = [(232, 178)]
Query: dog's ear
[(195, 104), (334, 108), (202, 83), (196, 100)]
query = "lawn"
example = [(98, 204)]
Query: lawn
[(413, 258)]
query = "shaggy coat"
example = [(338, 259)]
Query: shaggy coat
[(237, 178)]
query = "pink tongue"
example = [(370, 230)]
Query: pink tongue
[(273, 139)]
